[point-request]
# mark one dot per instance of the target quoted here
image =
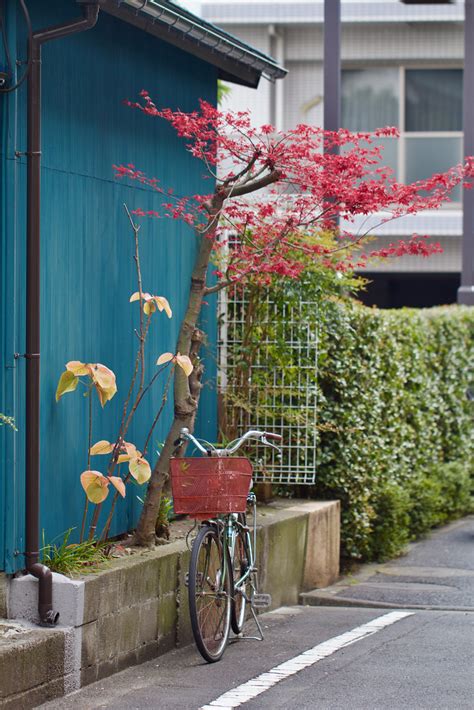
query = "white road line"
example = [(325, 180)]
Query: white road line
[(245, 692)]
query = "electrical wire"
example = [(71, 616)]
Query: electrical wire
[(9, 89)]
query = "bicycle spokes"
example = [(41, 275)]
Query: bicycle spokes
[(209, 594)]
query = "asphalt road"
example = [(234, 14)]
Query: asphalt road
[(423, 660)]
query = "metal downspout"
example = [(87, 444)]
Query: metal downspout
[(90, 11)]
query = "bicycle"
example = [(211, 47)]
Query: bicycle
[(222, 579)]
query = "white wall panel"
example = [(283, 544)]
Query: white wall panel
[(242, 98), (303, 94), (293, 11), (425, 42)]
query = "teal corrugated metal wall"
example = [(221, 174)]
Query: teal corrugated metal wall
[(87, 250)]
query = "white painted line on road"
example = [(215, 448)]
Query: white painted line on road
[(245, 692)]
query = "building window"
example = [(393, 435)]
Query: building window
[(426, 106)]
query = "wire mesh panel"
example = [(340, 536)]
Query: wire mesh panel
[(268, 380)]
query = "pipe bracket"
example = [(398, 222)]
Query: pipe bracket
[(19, 153)]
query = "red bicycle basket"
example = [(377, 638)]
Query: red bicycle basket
[(206, 487)]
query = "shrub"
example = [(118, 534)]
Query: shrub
[(394, 423), (426, 510), (390, 526), (392, 401), (455, 480)]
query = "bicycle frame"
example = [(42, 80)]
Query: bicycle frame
[(228, 528), (232, 531)]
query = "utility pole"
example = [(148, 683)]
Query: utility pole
[(332, 66), (466, 290)]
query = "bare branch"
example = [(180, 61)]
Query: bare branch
[(217, 287), (244, 171), (269, 179)]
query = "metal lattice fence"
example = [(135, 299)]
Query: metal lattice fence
[(268, 354)]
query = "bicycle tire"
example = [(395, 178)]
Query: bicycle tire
[(210, 590), (240, 564)]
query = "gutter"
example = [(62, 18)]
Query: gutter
[(90, 11), (237, 61)]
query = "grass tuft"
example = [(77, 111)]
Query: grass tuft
[(73, 559)]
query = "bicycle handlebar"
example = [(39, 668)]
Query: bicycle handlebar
[(232, 447)]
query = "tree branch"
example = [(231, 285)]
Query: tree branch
[(272, 177)]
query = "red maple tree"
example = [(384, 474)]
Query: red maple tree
[(283, 198)]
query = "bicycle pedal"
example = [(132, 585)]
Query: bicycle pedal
[(261, 601)]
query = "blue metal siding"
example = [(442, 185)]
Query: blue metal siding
[(87, 248)]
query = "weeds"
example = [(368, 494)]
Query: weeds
[(72, 559), (9, 421)]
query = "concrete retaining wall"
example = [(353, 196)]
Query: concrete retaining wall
[(3, 595), (137, 608), (31, 665)]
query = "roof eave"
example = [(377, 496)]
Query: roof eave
[(235, 61)]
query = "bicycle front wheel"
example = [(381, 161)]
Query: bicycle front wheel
[(210, 594)]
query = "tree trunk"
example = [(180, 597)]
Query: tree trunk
[(186, 394)]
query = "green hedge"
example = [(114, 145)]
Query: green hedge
[(395, 428), (396, 443)]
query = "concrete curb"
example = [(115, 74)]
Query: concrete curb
[(333, 595), (323, 598), (137, 607)]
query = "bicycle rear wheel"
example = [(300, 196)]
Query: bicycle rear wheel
[(241, 589), (210, 594)]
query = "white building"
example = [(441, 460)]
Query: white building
[(401, 65)]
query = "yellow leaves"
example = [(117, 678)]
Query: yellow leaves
[(131, 449), (183, 361), (77, 368), (101, 447), (185, 364), (101, 376), (95, 485), (104, 381), (117, 482), (163, 305), (149, 308), (140, 469), (67, 383), (152, 303), (165, 357)]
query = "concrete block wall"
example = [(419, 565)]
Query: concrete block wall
[(132, 612), (3, 595), (137, 607), (31, 665)]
